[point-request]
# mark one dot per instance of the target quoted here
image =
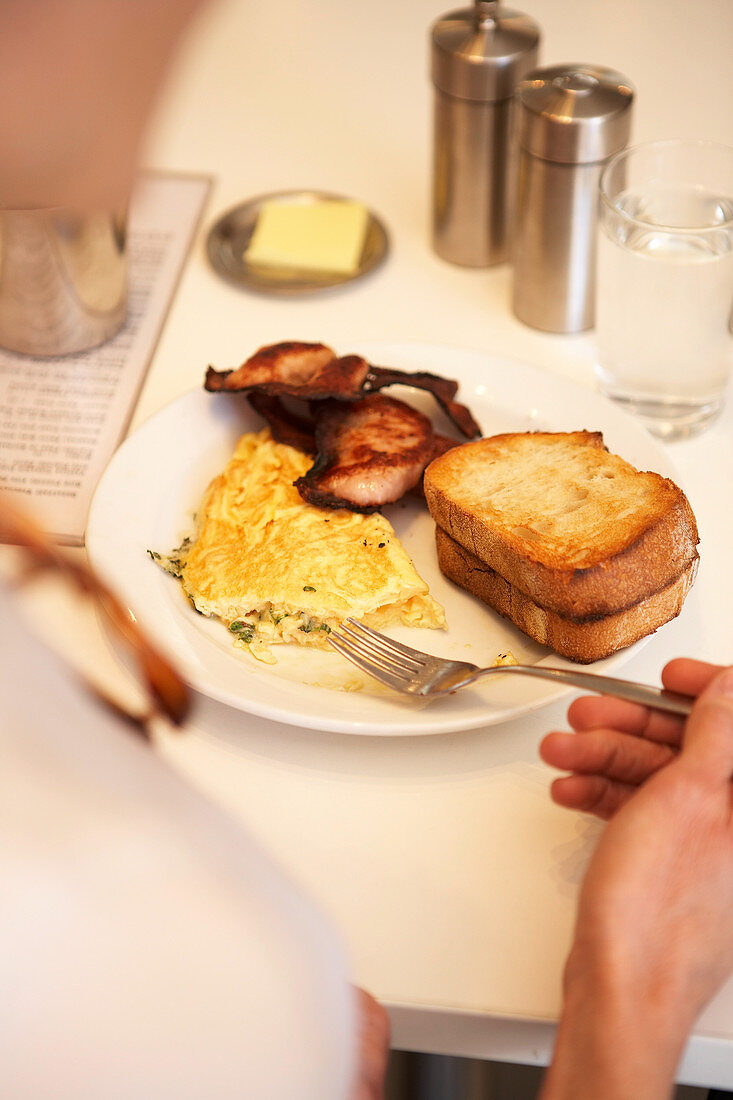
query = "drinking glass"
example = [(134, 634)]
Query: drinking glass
[(665, 283)]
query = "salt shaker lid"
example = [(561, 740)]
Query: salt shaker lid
[(575, 114), (481, 53)]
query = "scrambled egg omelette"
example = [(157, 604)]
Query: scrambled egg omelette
[(276, 569)]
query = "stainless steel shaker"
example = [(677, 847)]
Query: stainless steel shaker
[(479, 55), (572, 118)]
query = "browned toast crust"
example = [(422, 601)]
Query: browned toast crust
[(581, 640), (578, 531)]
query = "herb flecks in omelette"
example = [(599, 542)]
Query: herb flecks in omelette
[(265, 563), (173, 562)]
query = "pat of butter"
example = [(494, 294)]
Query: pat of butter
[(317, 236)]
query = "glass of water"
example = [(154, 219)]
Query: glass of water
[(664, 309)]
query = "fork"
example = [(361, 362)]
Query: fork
[(416, 673)]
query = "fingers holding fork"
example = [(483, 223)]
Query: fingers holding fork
[(616, 745)]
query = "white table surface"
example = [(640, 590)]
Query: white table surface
[(449, 872)]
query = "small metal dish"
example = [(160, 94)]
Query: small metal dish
[(229, 236)]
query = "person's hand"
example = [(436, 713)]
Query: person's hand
[(373, 1048), (620, 744), (653, 939)]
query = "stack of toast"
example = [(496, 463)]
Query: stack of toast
[(581, 551)]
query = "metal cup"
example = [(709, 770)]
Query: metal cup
[(63, 280)]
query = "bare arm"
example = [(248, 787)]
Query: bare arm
[(653, 939), (78, 80)]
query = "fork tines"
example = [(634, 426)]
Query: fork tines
[(379, 643), (382, 658)]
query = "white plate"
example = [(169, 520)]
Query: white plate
[(153, 485)]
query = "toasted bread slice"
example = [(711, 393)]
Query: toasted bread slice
[(577, 530), (582, 640)]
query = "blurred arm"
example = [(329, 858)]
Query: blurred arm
[(78, 80)]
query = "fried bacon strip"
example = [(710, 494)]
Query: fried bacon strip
[(442, 389), (441, 444), (295, 370), (313, 371), (285, 424), (288, 426), (370, 453)]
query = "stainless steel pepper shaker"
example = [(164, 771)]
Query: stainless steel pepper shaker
[(479, 55), (572, 118)]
